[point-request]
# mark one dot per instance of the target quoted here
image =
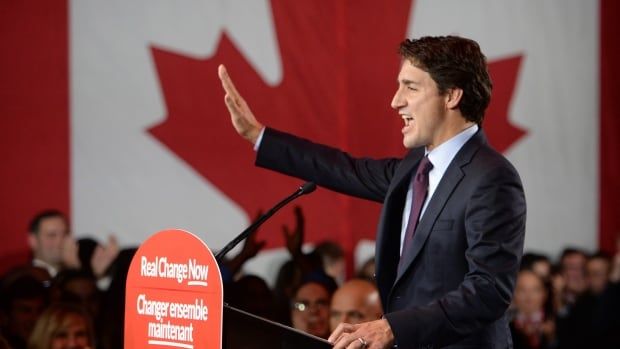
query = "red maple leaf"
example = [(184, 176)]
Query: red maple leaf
[(339, 64), (501, 133)]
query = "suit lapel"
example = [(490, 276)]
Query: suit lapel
[(388, 234), (451, 178), (402, 177)]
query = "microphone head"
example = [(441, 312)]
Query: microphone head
[(307, 188)]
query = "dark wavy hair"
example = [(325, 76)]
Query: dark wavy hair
[(453, 62)]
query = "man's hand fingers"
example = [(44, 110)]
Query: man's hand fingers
[(232, 106), (341, 329), (336, 334), (227, 83), (374, 335), (349, 341), (241, 116)]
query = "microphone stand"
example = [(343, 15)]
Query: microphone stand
[(306, 188)]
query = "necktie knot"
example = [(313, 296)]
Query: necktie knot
[(423, 169)]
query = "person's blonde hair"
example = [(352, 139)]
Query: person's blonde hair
[(54, 318)]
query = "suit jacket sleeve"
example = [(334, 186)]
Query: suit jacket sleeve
[(326, 166), (495, 230)]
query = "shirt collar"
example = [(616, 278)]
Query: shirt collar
[(52, 270), (443, 154)]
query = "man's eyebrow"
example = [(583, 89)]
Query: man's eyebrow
[(409, 82)]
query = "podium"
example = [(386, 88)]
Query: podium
[(243, 330), (174, 298)]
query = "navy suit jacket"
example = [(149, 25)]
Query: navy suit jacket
[(457, 284)]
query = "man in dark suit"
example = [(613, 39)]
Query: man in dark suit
[(451, 231)]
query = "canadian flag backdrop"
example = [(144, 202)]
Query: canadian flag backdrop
[(112, 111)]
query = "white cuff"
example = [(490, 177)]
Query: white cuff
[(259, 139)]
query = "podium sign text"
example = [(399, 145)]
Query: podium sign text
[(174, 294)]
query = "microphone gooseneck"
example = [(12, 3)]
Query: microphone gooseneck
[(304, 189)]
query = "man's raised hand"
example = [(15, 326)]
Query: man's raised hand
[(240, 114)]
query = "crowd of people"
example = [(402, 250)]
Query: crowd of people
[(57, 300)]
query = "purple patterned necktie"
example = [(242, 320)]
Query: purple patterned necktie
[(420, 189)]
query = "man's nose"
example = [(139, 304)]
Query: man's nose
[(397, 101)]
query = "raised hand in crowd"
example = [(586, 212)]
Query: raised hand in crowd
[(250, 249), (252, 246), (294, 238), (70, 253), (101, 259), (104, 255)]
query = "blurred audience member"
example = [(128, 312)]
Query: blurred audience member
[(593, 321), (598, 268), (356, 301), (538, 263), (112, 319), (531, 326), (63, 326), (606, 320), (310, 305), (88, 255), (573, 268), (290, 275), (38, 273), (47, 233), (294, 240), (23, 299), (230, 268), (332, 258), (367, 271), (288, 280), (558, 284), (251, 293), (78, 286), (98, 258)]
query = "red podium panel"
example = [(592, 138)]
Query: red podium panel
[(174, 294)]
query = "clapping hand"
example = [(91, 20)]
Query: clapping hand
[(103, 256)]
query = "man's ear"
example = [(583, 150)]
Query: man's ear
[(453, 97), (32, 241)]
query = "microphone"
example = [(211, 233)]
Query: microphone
[(307, 188), (304, 189)]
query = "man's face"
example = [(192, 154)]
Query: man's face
[(47, 243), (354, 305), (422, 108), (573, 270), (597, 270), (529, 296)]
